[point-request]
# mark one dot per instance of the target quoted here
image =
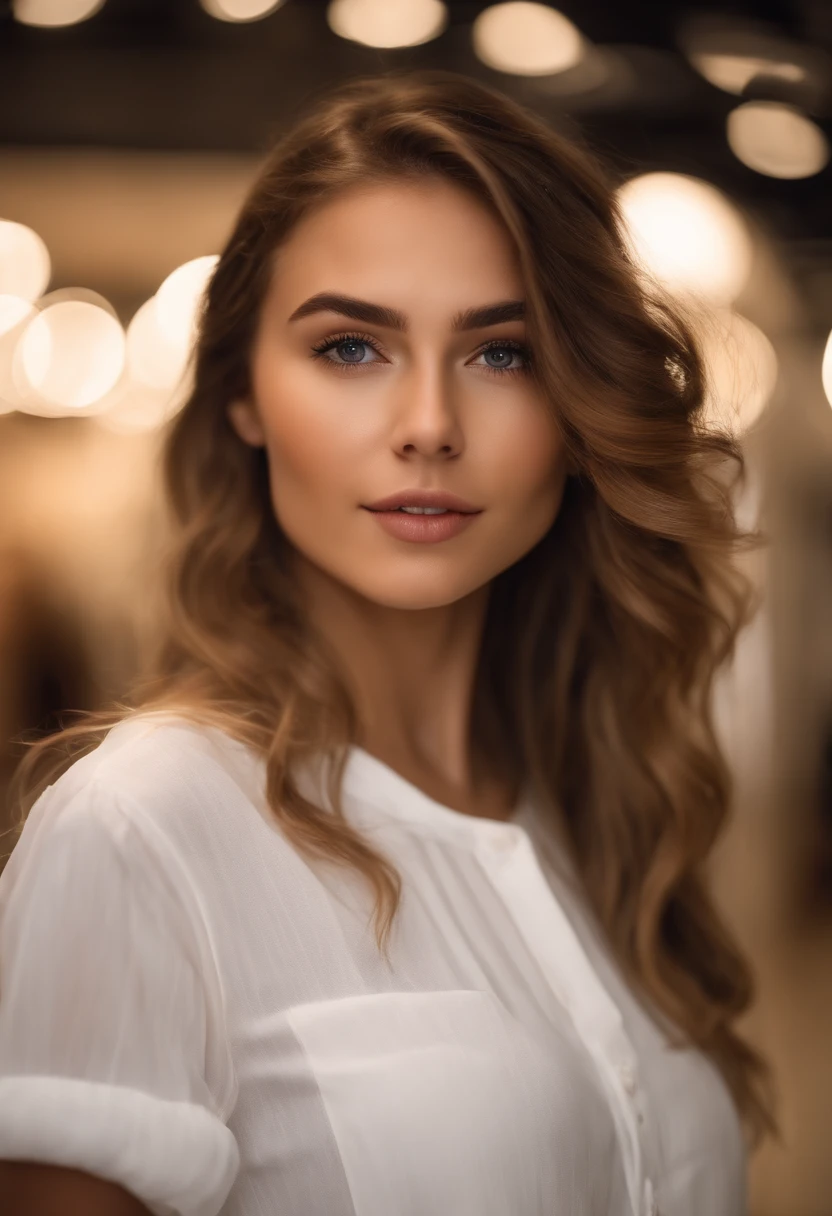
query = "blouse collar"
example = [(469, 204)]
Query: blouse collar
[(371, 788), (370, 783)]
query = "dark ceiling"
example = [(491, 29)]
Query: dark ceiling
[(162, 74)]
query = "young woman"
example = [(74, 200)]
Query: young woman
[(385, 894)]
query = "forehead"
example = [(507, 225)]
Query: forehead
[(430, 240)]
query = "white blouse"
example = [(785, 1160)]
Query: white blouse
[(190, 1008)]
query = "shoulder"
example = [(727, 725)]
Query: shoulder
[(107, 863), (113, 1001), (160, 758), (165, 771), (155, 793)]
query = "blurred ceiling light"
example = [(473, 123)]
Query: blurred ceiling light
[(826, 369), (14, 315), (381, 23), (733, 73), (599, 71), (526, 39), (54, 12), (85, 294), (240, 10), (13, 310), (730, 52), (71, 354), (152, 359), (179, 298), (777, 140), (160, 341), (686, 233), (136, 411), (741, 370), (25, 266)]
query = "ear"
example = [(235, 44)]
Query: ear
[(243, 418)]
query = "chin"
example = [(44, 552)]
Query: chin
[(426, 594)]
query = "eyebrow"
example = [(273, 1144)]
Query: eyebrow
[(378, 314)]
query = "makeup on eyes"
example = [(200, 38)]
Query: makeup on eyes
[(321, 349)]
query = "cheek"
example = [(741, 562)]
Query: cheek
[(309, 440), (305, 455), (530, 461)]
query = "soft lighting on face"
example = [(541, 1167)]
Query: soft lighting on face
[(826, 369), (526, 39), (24, 261), (72, 354), (382, 24), (54, 12), (179, 297), (777, 140), (687, 234), (240, 10), (741, 366)]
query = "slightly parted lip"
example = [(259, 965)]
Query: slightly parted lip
[(423, 498)]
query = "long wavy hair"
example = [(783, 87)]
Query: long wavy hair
[(600, 645)]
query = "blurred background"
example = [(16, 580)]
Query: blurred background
[(129, 133)]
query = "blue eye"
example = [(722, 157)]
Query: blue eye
[(348, 340), (344, 339), (351, 341), (515, 348)]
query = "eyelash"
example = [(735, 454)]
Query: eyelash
[(501, 343)]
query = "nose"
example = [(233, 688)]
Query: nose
[(427, 418)]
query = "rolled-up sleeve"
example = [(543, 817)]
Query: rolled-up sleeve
[(108, 1022)]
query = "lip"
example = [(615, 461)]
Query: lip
[(424, 498), (424, 529)]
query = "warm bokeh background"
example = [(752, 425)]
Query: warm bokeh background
[(129, 131)]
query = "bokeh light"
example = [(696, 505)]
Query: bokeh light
[(71, 354), (13, 310), (179, 297), (240, 10), (152, 359), (138, 410), (731, 51), (741, 366), (826, 369), (15, 313), (687, 234), (160, 340), (25, 265), (54, 12), (526, 39), (382, 24), (733, 73), (777, 140)]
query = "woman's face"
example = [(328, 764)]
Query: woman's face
[(388, 408)]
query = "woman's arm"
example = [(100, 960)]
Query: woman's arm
[(29, 1189), (113, 1061)]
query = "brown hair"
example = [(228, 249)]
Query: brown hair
[(600, 645)]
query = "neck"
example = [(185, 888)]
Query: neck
[(411, 673)]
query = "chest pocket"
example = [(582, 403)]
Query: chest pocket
[(443, 1102)]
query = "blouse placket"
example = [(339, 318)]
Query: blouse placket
[(505, 853)]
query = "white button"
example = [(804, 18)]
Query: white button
[(627, 1076)]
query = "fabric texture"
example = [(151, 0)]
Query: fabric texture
[(191, 1008)]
